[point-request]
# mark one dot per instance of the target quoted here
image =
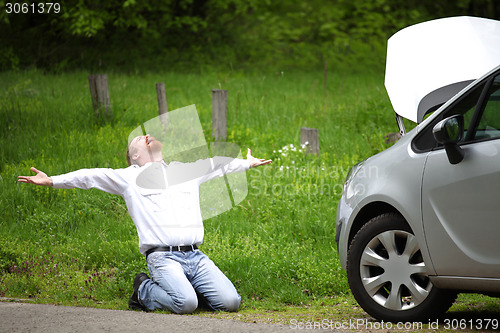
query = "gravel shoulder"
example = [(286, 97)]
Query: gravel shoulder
[(26, 317)]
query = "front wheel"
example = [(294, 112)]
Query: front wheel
[(388, 276)]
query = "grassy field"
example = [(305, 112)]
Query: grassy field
[(77, 247)]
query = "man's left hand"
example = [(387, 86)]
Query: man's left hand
[(255, 162)]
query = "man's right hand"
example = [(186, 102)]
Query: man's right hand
[(40, 178)]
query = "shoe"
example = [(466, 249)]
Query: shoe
[(133, 302)]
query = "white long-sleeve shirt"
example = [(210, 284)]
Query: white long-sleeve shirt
[(162, 200)]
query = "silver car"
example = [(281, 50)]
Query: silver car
[(420, 222)]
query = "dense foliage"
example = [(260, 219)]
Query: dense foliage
[(238, 33)]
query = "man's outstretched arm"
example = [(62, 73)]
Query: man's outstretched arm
[(104, 179), (40, 178)]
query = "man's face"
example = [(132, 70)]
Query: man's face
[(144, 149)]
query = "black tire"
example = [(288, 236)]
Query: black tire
[(385, 253)]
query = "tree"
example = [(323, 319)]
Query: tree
[(287, 32)]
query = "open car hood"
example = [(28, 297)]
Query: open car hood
[(430, 62)]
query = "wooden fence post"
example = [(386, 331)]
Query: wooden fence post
[(310, 138), (162, 98), (219, 114), (100, 94)]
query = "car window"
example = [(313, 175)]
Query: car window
[(489, 122), (465, 106)]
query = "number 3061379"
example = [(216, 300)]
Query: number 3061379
[(33, 8)]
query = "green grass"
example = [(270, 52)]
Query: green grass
[(79, 247)]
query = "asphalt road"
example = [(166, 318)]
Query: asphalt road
[(26, 317)]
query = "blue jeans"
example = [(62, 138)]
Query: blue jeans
[(177, 278)]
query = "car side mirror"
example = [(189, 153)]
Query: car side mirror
[(449, 132)]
